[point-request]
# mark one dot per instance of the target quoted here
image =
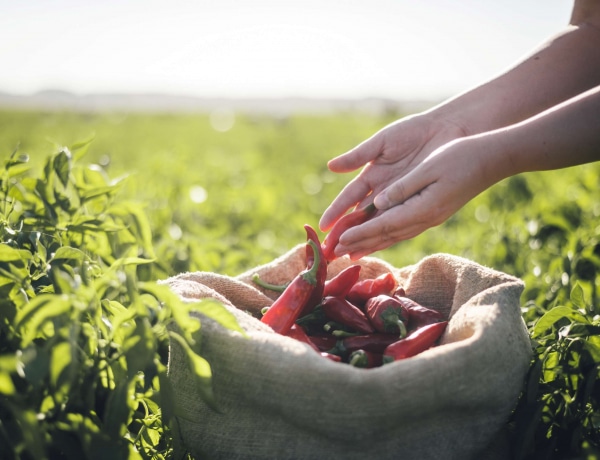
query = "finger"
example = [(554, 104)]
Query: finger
[(378, 242), (354, 192), (397, 224), (404, 188), (360, 155)]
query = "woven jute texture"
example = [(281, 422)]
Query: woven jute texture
[(279, 399)]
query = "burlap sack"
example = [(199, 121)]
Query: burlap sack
[(280, 400)]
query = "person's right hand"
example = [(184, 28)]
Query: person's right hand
[(387, 156)]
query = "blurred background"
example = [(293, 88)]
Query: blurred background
[(181, 54)]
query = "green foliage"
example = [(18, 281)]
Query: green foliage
[(78, 264), (83, 336)]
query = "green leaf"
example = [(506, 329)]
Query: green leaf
[(7, 386), (216, 311), (201, 371), (69, 253), (125, 261), (137, 220), (35, 365), (552, 316), (62, 166), (17, 169), (577, 296), (139, 347), (117, 410), (80, 149), (168, 400), (60, 358), (9, 254), (42, 308), (592, 344), (8, 366), (30, 430)]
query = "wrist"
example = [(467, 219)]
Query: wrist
[(494, 153), (444, 124)]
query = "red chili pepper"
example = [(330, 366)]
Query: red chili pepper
[(363, 290), (287, 307), (342, 311), (386, 314), (417, 342), (356, 217), (296, 332), (418, 315), (340, 284), (323, 342), (365, 359), (317, 295), (331, 356), (376, 342)]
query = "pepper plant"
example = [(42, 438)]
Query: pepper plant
[(84, 330), (88, 247)]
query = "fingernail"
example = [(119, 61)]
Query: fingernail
[(381, 201)]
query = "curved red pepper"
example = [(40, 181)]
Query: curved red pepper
[(418, 315), (286, 309), (376, 342), (415, 343), (356, 217), (296, 332), (323, 342), (317, 295), (387, 314), (342, 311), (363, 290), (340, 284)]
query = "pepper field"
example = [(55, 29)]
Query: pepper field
[(127, 199)]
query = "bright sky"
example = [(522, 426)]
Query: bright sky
[(313, 48)]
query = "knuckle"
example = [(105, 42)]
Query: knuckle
[(397, 192)]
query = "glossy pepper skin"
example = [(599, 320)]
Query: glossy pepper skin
[(356, 217), (363, 290), (323, 342), (340, 284), (343, 312), (311, 258), (296, 332), (418, 315), (376, 342), (284, 311), (415, 343), (387, 314)]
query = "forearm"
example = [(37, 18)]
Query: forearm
[(565, 135), (564, 66)]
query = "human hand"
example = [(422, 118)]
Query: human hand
[(424, 197), (386, 156)]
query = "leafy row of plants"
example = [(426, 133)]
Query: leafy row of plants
[(84, 327), (558, 415)]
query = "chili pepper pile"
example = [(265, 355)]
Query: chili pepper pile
[(364, 323)]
